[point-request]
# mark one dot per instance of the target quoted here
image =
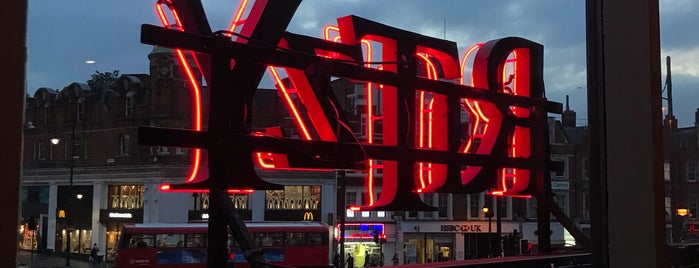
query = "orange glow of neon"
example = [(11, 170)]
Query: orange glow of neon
[(239, 13), (422, 167), (261, 162), (195, 91), (355, 208), (369, 121), (329, 28), (290, 102), (168, 188), (465, 58)]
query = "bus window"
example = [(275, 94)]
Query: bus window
[(295, 239), (141, 241), (276, 239), (315, 239), (170, 240), (268, 239), (195, 240)]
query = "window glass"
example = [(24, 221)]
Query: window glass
[(141, 241), (195, 240), (170, 240)]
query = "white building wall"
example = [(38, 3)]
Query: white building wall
[(99, 201), (53, 205)]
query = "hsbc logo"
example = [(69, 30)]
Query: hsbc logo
[(470, 228)]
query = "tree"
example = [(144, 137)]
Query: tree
[(101, 81)]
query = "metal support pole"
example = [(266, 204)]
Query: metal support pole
[(341, 211), (70, 184), (490, 237), (498, 225)]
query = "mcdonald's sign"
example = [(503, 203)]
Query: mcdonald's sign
[(308, 216)]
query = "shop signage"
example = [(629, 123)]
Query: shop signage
[(308, 216), (120, 215), (467, 228), (560, 185)]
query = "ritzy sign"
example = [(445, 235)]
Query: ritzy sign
[(431, 120)]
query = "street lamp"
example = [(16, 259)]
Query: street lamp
[(489, 213)]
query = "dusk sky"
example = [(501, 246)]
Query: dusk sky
[(62, 35)]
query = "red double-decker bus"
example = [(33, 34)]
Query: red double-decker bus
[(298, 244)]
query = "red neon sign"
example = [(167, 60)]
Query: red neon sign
[(417, 92)]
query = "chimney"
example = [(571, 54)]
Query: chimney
[(696, 117), (568, 116)]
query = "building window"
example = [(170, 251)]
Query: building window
[(693, 208), (586, 206), (504, 212), (366, 214), (561, 174), (666, 169), (668, 207), (350, 199), (80, 113), (531, 208), (124, 144), (429, 200), (181, 151), (294, 198), (125, 196), (586, 168), (128, 107), (443, 205), (240, 201), (474, 205), (561, 200), (42, 150), (159, 150), (691, 171)]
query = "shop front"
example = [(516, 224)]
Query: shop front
[(426, 242), (124, 205), (364, 243), (74, 219), (293, 203)]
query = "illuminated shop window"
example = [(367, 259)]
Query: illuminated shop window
[(293, 198), (126, 196)]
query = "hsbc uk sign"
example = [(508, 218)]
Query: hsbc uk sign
[(473, 228)]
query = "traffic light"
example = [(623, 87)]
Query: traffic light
[(376, 237), (525, 246)]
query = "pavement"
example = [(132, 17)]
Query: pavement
[(25, 259)]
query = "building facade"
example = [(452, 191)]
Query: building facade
[(85, 176)]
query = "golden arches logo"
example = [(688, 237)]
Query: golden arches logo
[(308, 216)]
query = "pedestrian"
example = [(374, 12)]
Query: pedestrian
[(93, 253), (336, 260), (350, 261), (395, 259)]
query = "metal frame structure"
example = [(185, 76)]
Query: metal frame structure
[(235, 68)]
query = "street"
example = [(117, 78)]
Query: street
[(45, 260)]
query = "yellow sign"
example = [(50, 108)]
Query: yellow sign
[(308, 216)]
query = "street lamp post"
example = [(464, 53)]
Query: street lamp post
[(489, 213), (498, 217), (682, 211), (70, 176)]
